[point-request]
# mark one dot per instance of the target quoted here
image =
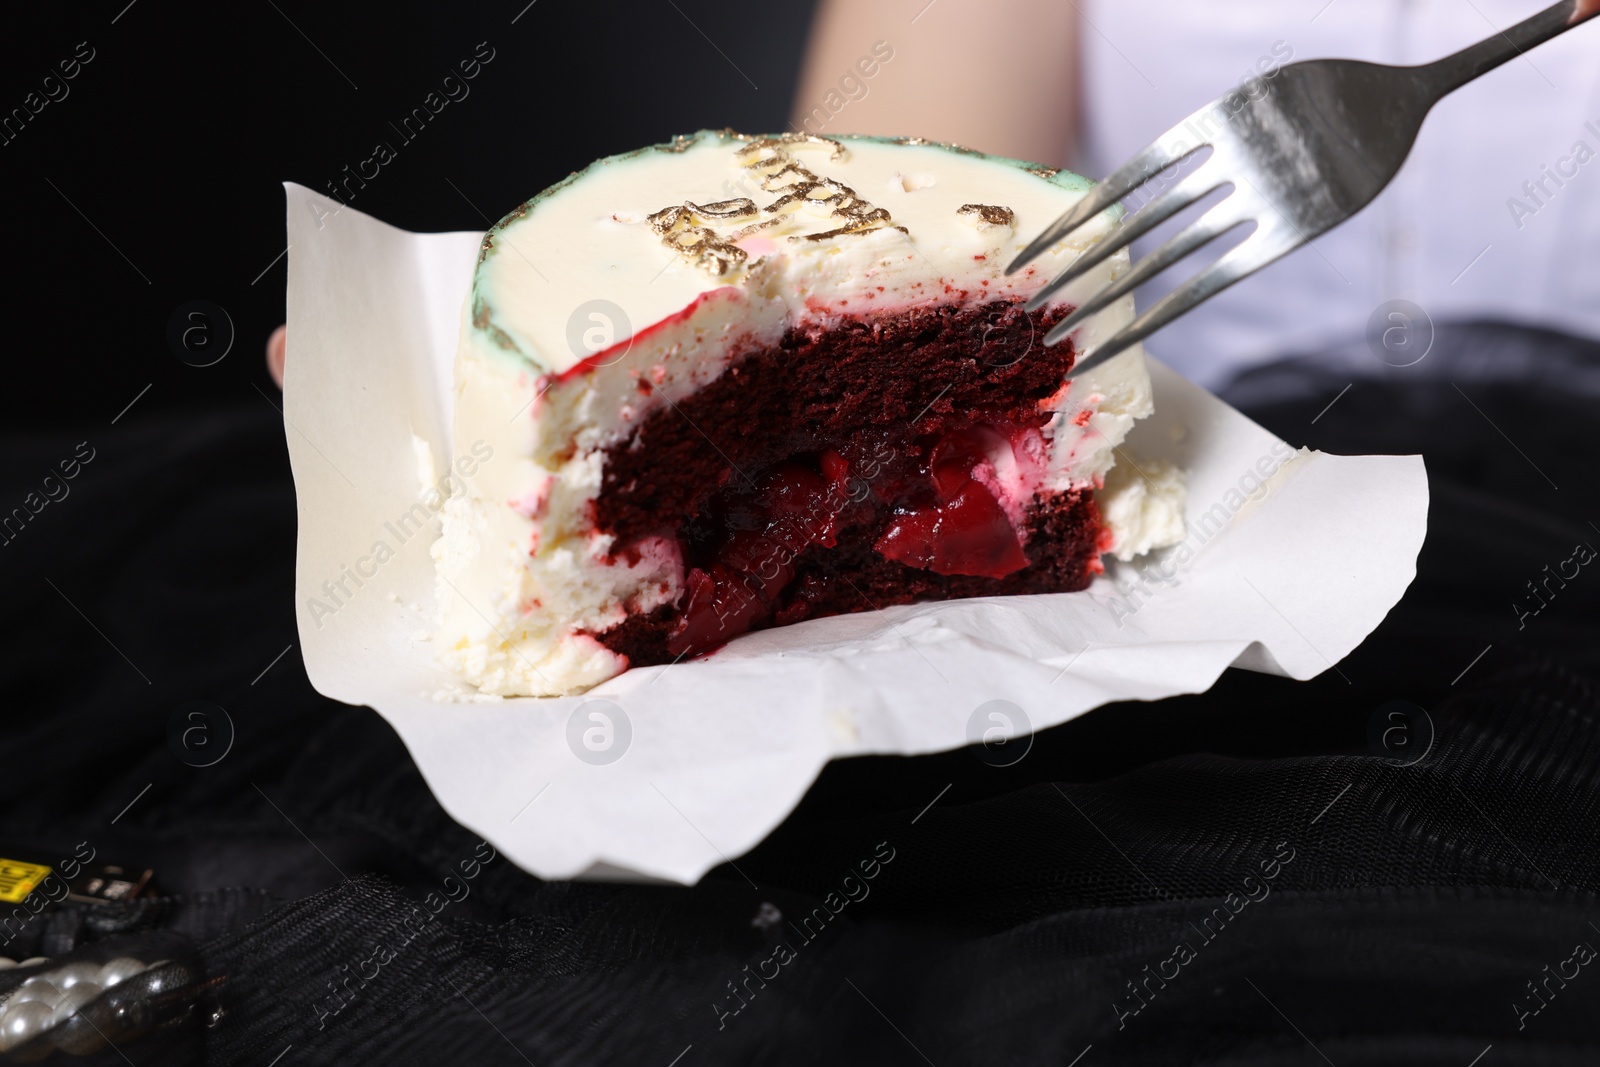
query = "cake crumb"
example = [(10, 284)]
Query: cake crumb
[(1143, 506), (842, 724)]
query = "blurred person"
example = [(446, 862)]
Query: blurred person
[(1488, 219), (1491, 217)]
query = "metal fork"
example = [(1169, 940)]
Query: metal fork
[(1304, 148)]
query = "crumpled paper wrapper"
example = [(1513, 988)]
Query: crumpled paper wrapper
[(1292, 558)]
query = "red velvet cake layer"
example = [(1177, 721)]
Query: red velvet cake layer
[(834, 473)]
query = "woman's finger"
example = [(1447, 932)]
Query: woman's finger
[(278, 346)]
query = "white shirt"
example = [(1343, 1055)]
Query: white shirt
[(1496, 214)]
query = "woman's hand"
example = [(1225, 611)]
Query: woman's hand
[(1586, 9), (278, 346)]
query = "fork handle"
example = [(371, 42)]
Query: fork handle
[(1452, 72)]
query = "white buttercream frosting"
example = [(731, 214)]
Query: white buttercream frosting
[(1142, 504)]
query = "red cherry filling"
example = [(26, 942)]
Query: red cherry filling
[(719, 606), (966, 531), (967, 534), (745, 568), (790, 509)]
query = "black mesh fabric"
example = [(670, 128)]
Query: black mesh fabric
[(1010, 908)]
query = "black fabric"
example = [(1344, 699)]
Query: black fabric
[(1008, 908)]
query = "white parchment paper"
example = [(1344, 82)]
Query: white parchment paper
[(662, 773)]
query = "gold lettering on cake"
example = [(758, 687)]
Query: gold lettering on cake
[(988, 215), (687, 228), (772, 160), (682, 227)]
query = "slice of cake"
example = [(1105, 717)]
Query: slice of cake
[(736, 382)]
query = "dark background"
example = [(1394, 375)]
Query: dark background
[(173, 142)]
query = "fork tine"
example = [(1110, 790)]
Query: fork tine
[(1264, 246), (1129, 229), (1171, 147), (1207, 228)]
